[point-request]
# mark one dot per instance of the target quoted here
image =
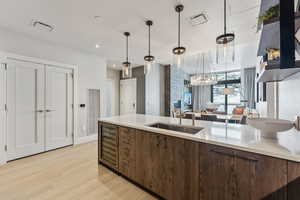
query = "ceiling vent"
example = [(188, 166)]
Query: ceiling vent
[(198, 19), (42, 26)]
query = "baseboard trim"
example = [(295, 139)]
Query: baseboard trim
[(39, 153), (2, 162), (86, 139)]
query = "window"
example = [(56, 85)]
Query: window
[(218, 97), (227, 80)]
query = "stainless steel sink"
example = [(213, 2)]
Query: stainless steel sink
[(178, 128)]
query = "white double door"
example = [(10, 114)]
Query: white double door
[(128, 96), (40, 108)]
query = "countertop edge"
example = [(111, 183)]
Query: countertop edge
[(206, 141)]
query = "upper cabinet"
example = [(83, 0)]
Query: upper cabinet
[(279, 23)]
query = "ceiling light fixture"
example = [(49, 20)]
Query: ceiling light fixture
[(97, 46), (225, 43), (179, 50), (97, 17), (198, 19), (204, 77), (127, 69), (149, 59)]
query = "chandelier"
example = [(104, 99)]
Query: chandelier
[(204, 77)]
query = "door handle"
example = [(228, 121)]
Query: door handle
[(49, 110)]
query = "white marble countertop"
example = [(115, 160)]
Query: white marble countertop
[(236, 136)]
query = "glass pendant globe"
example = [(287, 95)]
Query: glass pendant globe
[(126, 70), (178, 60)]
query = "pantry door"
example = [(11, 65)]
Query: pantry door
[(25, 109), (59, 107), (128, 97)]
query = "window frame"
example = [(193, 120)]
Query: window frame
[(226, 83)]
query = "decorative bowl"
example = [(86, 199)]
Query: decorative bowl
[(270, 127)]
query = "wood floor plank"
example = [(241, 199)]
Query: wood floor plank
[(70, 173)]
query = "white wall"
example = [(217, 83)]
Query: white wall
[(2, 112), (289, 98), (113, 92), (91, 68), (272, 99)]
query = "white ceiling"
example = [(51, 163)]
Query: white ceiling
[(76, 27)]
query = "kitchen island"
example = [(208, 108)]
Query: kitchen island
[(220, 162)]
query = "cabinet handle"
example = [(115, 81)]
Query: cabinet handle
[(165, 139), (157, 139), (247, 158), (222, 152), (233, 154)]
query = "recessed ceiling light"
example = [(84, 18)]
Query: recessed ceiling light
[(114, 66), (97, 46), (98, 18)]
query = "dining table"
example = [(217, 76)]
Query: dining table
[(225, 117)]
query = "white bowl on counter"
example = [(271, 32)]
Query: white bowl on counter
[(270, 127)]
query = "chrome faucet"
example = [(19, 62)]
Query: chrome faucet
[(180, 117), (193, 119), (297, 123)]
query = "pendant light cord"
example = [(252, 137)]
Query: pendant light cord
[(225, 16), (149, 42), (126, 48), (203, 64), (179, 29)]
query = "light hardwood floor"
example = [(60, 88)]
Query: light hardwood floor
[(71, 173)]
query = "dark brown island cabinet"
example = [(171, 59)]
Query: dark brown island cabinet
[(180, 169)]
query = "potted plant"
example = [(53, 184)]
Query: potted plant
[(271, 13)]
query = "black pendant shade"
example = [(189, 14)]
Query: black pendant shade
[(149, 58), (225, 38), (179, 50)]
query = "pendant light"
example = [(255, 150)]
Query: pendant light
[(127, 69), (225, 43), (149, 59), (179, 50), (226, 90), (204, 77)]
